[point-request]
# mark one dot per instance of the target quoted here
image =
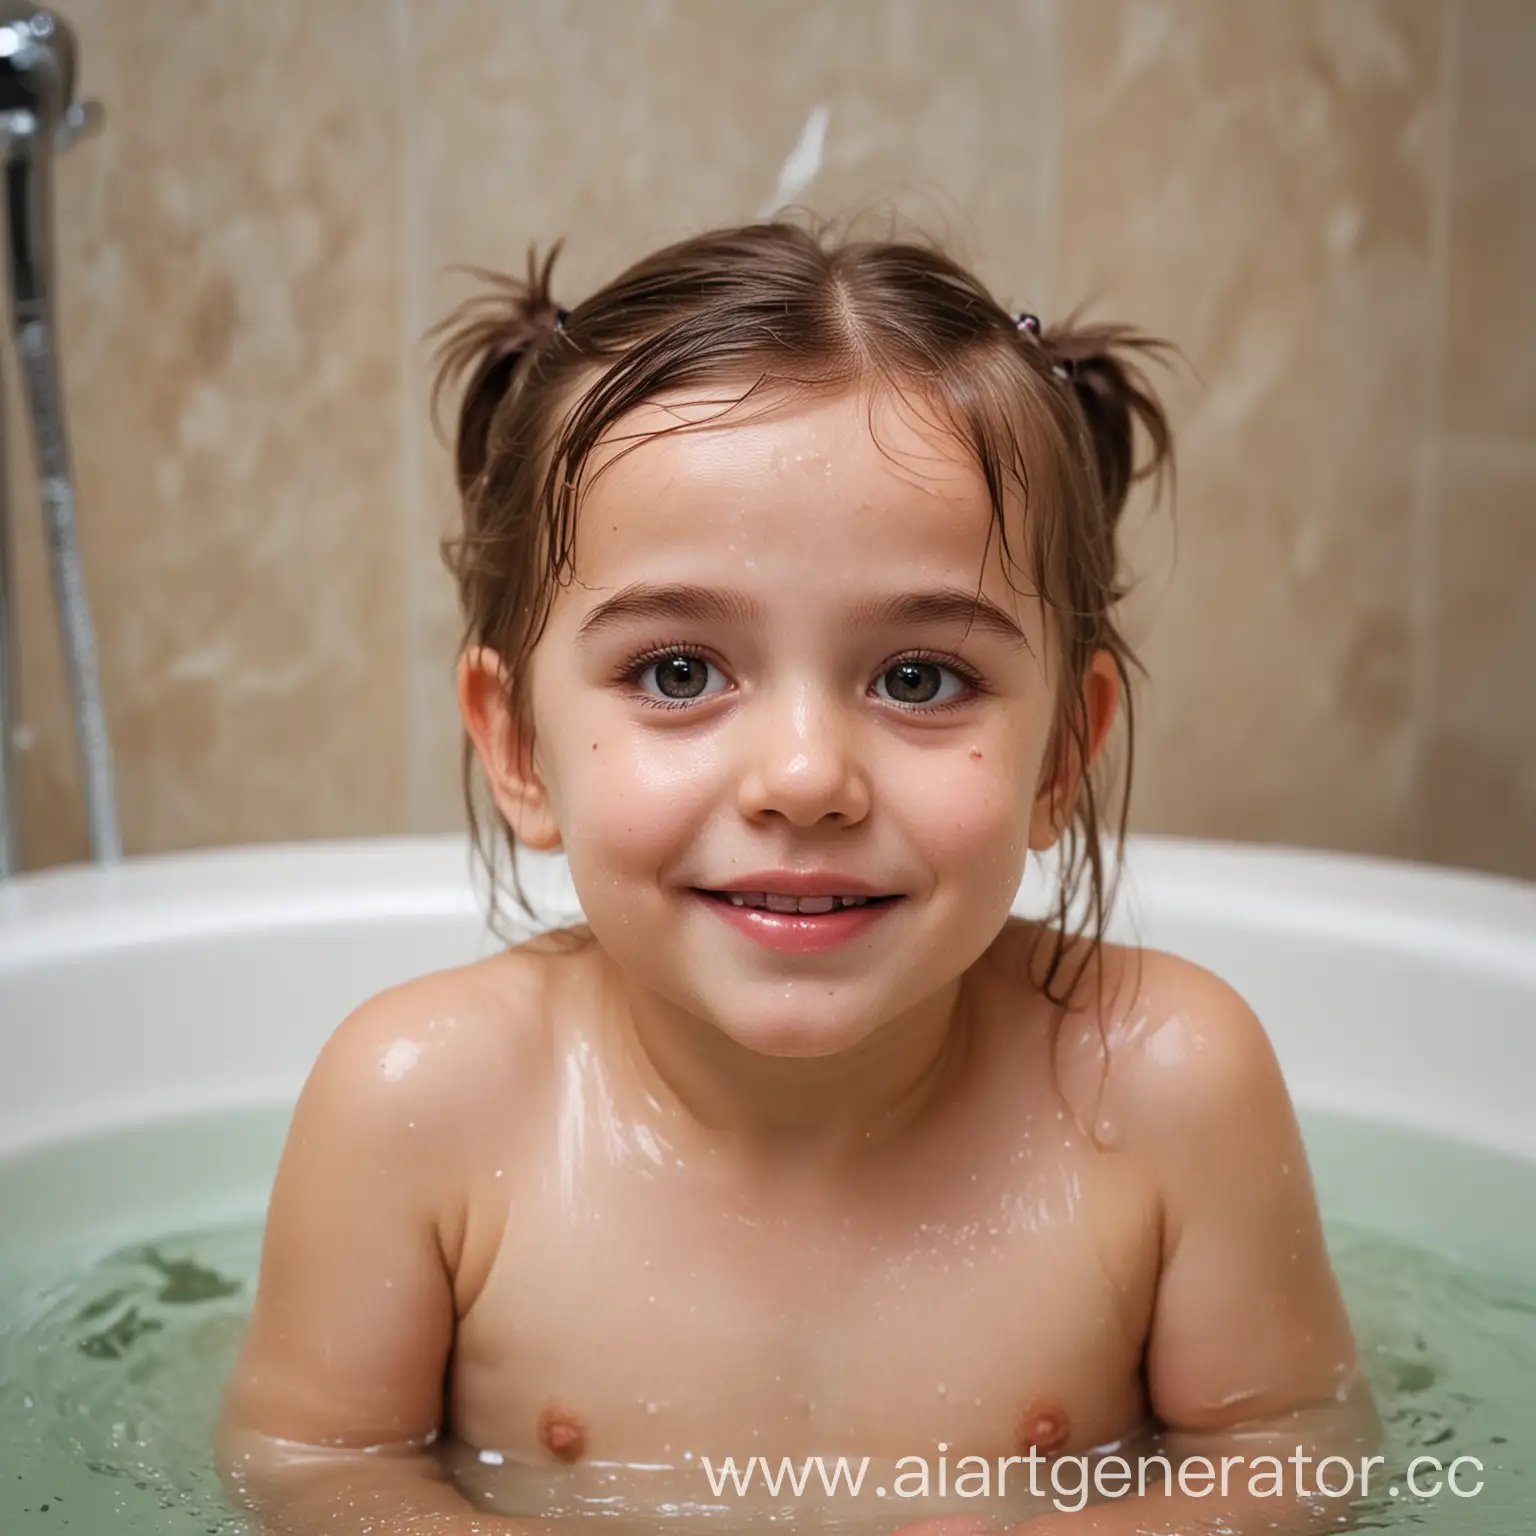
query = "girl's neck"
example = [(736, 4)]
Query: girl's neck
[(701, 1087)]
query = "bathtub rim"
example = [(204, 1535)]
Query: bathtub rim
[(1472, 923), (54, 914)]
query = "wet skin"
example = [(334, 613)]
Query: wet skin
[(675, 1192)]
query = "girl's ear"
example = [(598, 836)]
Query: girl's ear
[(504, 749), (1064, 776)]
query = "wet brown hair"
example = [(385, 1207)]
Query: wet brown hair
[(1052, 411)]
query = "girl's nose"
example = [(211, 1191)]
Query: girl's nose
[(803, 764)]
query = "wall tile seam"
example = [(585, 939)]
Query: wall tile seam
[(1429, 501), (413, 491)]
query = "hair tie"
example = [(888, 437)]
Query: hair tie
[(1029, 325)]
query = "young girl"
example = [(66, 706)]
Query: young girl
[(789, 572)]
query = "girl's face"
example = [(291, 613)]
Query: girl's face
[(764, 665)]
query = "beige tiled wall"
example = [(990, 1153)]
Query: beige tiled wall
[(1481, 767), (1330, 204)]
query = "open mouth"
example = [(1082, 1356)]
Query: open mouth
[(795, 906), (802, 925)]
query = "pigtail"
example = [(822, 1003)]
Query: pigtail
[(1099, 369), (486, 338), (1100, 363)]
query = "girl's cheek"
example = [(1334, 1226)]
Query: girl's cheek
[(658, 768), (641, 795), (640, 799)]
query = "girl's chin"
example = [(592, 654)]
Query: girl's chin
[(797, 1044)]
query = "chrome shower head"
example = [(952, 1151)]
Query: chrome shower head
[(38, 111), (39, 118)]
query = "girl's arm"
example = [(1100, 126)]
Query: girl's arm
[(301, 1491), (340, 1384), (1251, 1352)]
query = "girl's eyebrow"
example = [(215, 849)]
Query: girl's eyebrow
[(726, 605)]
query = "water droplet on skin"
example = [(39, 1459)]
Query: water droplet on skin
[(650, 1407), (400, 1058)]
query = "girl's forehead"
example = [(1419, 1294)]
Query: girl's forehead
[(687, 464), (813, 500)]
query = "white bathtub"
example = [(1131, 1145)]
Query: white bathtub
[(143, 1009), (180, 985)]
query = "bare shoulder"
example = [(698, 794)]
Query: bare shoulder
[(426, 1055), (363, 1255), (1163, 1045), (1184, 1042), (1195, 1086)]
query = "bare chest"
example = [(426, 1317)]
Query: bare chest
[(637, 1316)]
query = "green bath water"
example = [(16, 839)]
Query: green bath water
[(127, 1266)]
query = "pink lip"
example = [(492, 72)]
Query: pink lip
[(798, 933)]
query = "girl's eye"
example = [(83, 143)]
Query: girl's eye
[(921, 682), (682, 678)]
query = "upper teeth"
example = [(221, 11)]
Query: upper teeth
[(776, 903)]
